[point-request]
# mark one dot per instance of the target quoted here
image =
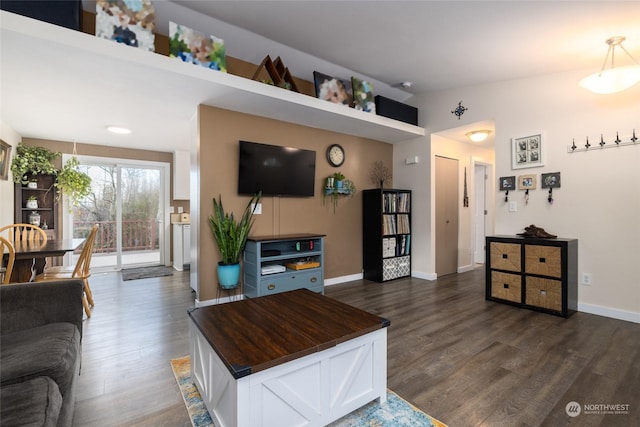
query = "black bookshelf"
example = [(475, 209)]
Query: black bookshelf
[(386, 234)]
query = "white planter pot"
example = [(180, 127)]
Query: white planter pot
[(32, 204)]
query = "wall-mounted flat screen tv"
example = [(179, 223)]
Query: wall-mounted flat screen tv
[(276, 170)]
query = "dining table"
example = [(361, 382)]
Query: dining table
[(31, 257)]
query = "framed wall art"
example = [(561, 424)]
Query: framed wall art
[(550, 180), (197, 48), (127, 22), (527, 182), (332, 89), (527, 151), (507, 183), (5, 153)]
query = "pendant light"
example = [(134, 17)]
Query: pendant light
[(614, 79)]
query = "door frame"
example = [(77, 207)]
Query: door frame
[(489, 196), (67, 217)]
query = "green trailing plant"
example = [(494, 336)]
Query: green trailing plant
[(73, 182), (30, 161), (231, 235), (332, 190)]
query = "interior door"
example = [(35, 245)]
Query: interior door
[(446, 216)]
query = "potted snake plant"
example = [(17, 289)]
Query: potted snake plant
[(231, 236)]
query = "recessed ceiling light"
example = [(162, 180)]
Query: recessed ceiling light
[(119, 130)]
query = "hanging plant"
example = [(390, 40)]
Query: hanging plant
[(32, 160), (72, 182)]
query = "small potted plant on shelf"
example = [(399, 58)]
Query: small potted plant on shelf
[(231, 236), (338, 179), (32, 202)]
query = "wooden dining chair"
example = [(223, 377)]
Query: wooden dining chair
[(23, 233), (82, 270), (5, 271)]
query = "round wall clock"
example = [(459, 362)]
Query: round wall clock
[(335, 155)]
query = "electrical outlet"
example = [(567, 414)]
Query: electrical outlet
[(180, 209), (586, 279), (171, 209), (257, 210)]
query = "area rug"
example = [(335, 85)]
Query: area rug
[(146, 272), (395, 412)]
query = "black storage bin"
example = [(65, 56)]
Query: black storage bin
[(60, 12), (396, 110)]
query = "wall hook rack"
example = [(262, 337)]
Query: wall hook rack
[(632, 140)]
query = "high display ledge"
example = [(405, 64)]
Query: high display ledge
[(217, 89)]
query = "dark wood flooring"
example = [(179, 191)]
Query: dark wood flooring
[(461, 359)]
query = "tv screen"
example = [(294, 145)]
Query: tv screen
[(275, 170)]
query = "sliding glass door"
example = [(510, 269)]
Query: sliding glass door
[(128, 201)]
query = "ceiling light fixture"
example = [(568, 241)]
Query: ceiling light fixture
[(478, 135), (119, 130), (614, 79)]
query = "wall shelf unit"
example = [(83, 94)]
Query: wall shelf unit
[(157, 81), (302, 255), (45, 194)]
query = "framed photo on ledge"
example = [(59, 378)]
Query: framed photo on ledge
[(5, 152), (527, 152)]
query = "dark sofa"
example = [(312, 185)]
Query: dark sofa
[(40, 352)]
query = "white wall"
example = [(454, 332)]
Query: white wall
[(599, 201), (9, 136)]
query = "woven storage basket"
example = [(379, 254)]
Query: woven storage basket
[(505, 256), (506, 286), (543, 260), (545, 293)]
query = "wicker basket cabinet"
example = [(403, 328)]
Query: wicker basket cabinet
[(538, 274)]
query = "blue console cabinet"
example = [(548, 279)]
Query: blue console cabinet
[(301, 255)]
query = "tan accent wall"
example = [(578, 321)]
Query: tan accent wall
[(220, 130)]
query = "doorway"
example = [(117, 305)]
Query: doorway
[(128, 201), (446, 183), (480, 212)]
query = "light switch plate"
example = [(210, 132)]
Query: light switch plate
[(513, 206)]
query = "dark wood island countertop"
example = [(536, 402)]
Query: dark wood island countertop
[(256, 334)]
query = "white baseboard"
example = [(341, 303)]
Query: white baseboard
[(208, 302), (425, 276), (465, 268), (613, 313), (343, 279)]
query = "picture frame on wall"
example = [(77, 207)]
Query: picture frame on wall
[(5, 153), (506, 183), (550, 180), (527, 182), (527, 151)]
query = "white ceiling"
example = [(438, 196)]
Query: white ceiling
[(436, 45), (441, 44)]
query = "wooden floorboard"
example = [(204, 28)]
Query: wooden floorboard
[(461, 359)]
